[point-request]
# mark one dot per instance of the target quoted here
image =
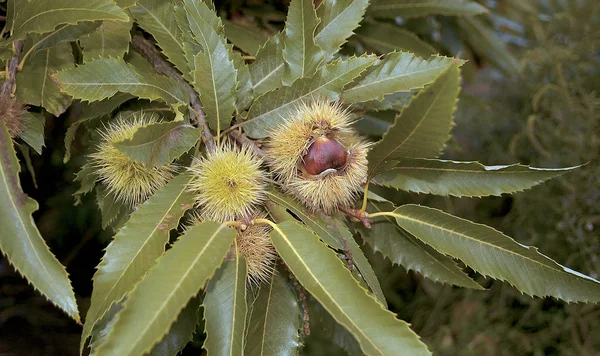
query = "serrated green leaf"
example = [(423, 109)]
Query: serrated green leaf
[(384, 38), (124, 4), (156, 17), (319, 223), (333, 232), (245, 92), (274, 320), (245, 38), (91, 111), (112, 210), (66, 33), (464, 179), (397, 72), (338, 21), (418, 8), (103, 78), (301, 54), (215, 77), (486, 43), (358, 259), (422, 128), (319, 270), (181, 332), (225, 308), (373, 123), (20, 240), (154, 303), (159, 143), (271, 109), (87, 177), (395, 101), (135, 248), (33, 130), (110, 40), (39, 16), (403, 249), (267, 69), (494, 254), (35, 86)]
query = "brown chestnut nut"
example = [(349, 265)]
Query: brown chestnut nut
[(323, 154)]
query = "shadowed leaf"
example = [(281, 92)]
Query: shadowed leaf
[(33, 130), (20, 240), (225, 309), (384, 38), (274, 320), (245, 38), (35, 86)]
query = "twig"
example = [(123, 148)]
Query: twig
[(152, 54), (357, 216), (7, 87), (245, 141)]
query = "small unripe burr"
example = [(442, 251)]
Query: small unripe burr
[(227, 184), (254, 243), (10, 114), (317, 157), (130, 181)]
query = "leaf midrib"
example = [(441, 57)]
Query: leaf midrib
[(390, 78), (176, 287), (412, 242), (495, 171), (509, 252), (181, 192), (15, 207), (72, 10), (75, 84), (306, 267), (264, 331), (423, 118)]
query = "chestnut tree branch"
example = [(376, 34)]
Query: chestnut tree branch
[(245, 141), (161, 66), (7, 86)]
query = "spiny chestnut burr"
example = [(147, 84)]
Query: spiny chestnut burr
[(324, 154), (130, 181), (228, 183), (317, 157)]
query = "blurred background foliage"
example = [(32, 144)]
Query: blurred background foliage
[(530, 95)]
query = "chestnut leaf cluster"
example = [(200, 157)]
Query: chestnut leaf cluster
[(255, 154)]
